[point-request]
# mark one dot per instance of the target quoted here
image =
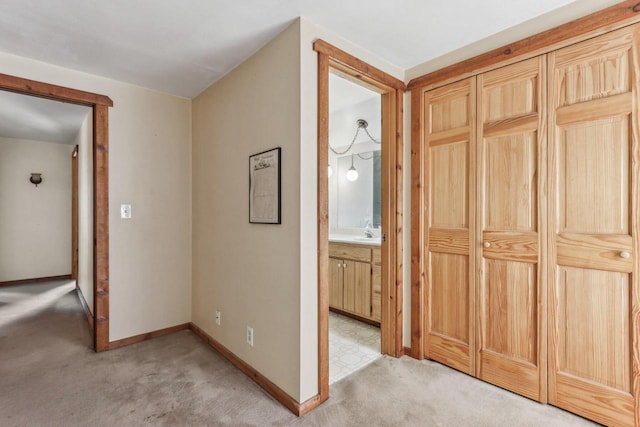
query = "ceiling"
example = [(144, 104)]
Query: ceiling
[(39, 119), (344, 94), (349, 102), (181, 47)]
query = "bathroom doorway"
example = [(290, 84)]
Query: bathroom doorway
[(355, 226), (366, 246)]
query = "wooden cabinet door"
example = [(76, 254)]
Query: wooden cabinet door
[(376, 291), (511, 228), (349, 281), (450, 196), (594, 224), (357, 288), (336, 287), (362, 284)]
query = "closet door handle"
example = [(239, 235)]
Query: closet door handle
[(625, 255), (487, 244)]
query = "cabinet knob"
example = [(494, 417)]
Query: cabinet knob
[(625, 255), (344, 265), (487, 244)]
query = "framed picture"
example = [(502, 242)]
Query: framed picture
[(264, 187)]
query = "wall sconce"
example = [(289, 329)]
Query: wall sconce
[(36, 178)]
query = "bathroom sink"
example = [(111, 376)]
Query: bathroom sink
[(367, 239)]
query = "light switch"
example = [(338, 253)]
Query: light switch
[(125, 211)]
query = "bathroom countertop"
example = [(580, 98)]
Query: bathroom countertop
[(355, 239)]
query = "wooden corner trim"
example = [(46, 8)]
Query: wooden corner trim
[(620, 13), (34, 280), (359, 65), (323, 226), (85, 307), (280, 395), (46, 90), (309, 405), (101, 226), (147, 336)]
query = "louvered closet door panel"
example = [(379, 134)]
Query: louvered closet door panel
[(450, 195), (593, 212), (511, 150)]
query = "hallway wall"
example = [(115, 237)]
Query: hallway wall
[(250, 272), (84, 141), (35, 222), (150, 168)]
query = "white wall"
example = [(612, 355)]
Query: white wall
[(342, 128), (84, 141), (250, 272), (35, 222), (149, 167)]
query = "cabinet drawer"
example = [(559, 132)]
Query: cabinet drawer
[(377, 256), (356, 253)]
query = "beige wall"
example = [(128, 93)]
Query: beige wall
[(84, 141), (264, 276), (35, 222), (150, 168), (250, 272)]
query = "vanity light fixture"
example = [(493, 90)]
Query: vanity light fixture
[(352, 173), (36, 178), (362, 124)]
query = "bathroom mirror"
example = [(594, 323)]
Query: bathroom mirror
[(360, 201)]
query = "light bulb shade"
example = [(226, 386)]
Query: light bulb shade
[(352, 174), (330, 171)]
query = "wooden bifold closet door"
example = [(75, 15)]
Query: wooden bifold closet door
[(594, 308), (532, 224), (450, 196), (511, 228)]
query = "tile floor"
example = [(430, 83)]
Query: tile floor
[(352, 345)]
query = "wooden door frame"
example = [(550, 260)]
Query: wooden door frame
[(392, 90), (74, 213), (100, 105)]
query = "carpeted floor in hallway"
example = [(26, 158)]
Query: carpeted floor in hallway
[(49, 376)]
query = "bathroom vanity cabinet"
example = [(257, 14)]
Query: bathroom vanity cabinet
[(355, 280)]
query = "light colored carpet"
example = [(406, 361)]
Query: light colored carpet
[(50, 377)]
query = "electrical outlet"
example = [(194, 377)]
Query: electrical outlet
[(250, 336), (218, 317)]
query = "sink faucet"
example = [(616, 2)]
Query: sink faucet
[(367, 231)]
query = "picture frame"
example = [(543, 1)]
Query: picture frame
[(265, 187)]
